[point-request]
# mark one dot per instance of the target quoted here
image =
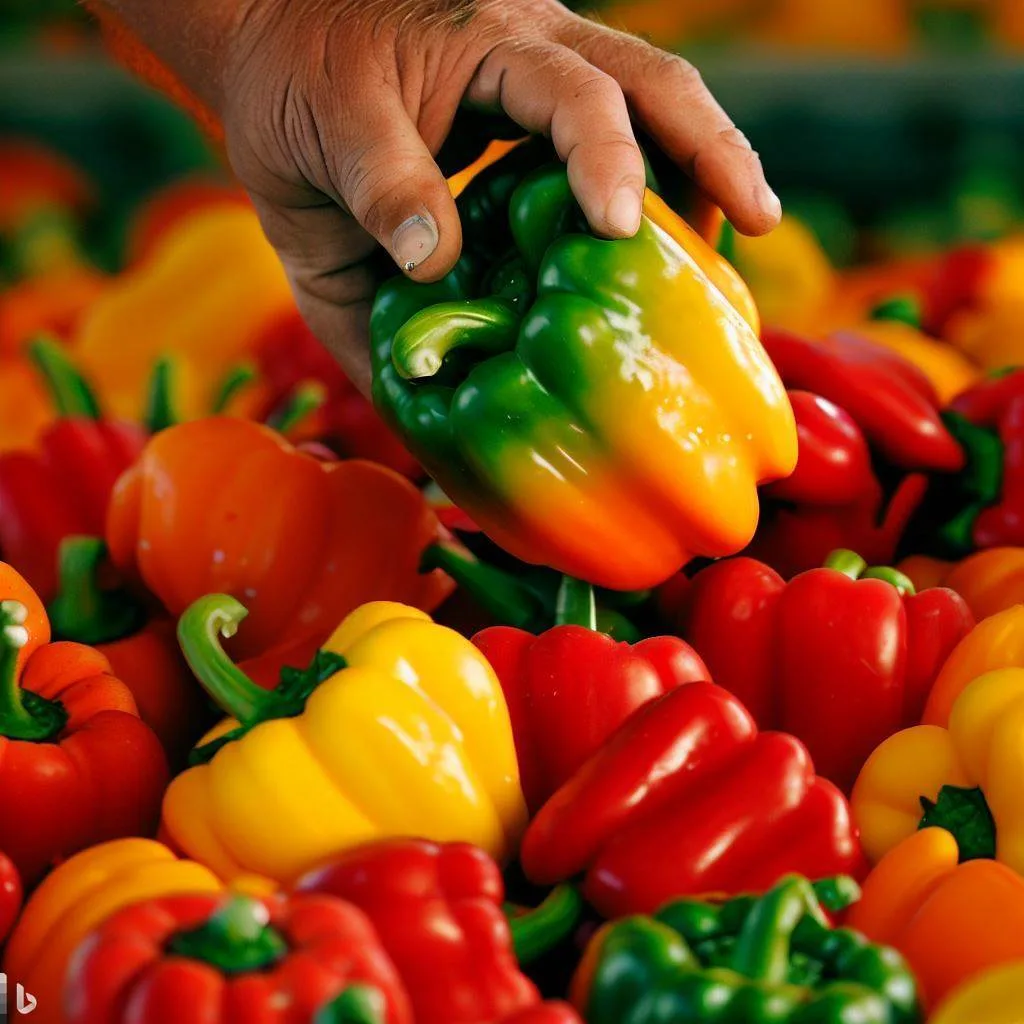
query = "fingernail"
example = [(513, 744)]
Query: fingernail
[(413, 241), (623, 213), (768, 202)]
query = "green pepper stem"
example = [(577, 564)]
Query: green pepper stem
[(509, 600), (199, 630), (762, 948), (357, 1004), (306, 399), (23, 715), (575, 604), (83, 612), (425, 339), (902, 308), (235, 380), (160, 411), (849, 563), (67, 387), (537, 931), (236, 939)]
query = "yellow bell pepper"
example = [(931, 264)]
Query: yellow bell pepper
[(994, 997), (966, 778), (83, 892), (399, 727), (202, 298)]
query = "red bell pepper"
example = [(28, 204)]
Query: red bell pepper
[(77, 766), (987, 499), (10, 896), (569, 689), (438, 912), (890, 399), (834, 498), (289, 355), (842, 663), (63, 488), (687, 798), (234, 960)]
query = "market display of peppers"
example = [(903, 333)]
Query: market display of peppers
[(689, 690)]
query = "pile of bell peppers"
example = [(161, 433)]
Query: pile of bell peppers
[(690, 690)]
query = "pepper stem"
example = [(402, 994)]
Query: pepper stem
[(236, 939), (199, 630), (762, 948), (422, 342), (305, 400), (235, 380), (849, 563), (510, 601), (575, 604), (535, 932), (67, 387), (23, 715), (902, 308), (160, 411), (357, 1004), (83, 612)]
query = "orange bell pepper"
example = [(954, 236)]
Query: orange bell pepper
[(951, 921), (225, 505), (52, 303), (990, 581), (82, 893)]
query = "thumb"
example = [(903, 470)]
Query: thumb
[(389, 182)]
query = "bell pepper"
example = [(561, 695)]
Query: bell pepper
[(841, 656), (771, 957), (10, 896), (569, 689), (994, 996), (78, 895), (983, 506), (77, 765), (890, 399), (64, 487), (834, 498), (591, 434), (26, 410), (142, 648), (288, 355), (950, 920), (195, 515), (687, 798), (989, 581), (220, 259), (428, 747), (438, 912), (231, 959), (53, 303), (963, 777)]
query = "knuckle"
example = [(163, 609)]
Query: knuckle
[(679, 73), (589, 85)]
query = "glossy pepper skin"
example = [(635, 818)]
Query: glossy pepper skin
[(62, 486), (77, 765), (990, 581), (81, 893), (965, 776), (687, 798), (889, 398), (428, 747), (197, 514), (840, 662), (753, 960), (987, 500), (994, 996), (950, 920), (10, 895), (232, 960), (834, 498), (591, 435), (437, 909)]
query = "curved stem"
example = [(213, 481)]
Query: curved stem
[(67, 387), (762, 948), (575, 604), (237, 938), (356, 1004), (541, 929), (234, 381), (160, 411), (422, 342), (849, 563), (306, 399), (199, 630), (23, 715), (891, 576), (83, 612)]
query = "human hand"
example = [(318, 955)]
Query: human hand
[(333, 112)]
